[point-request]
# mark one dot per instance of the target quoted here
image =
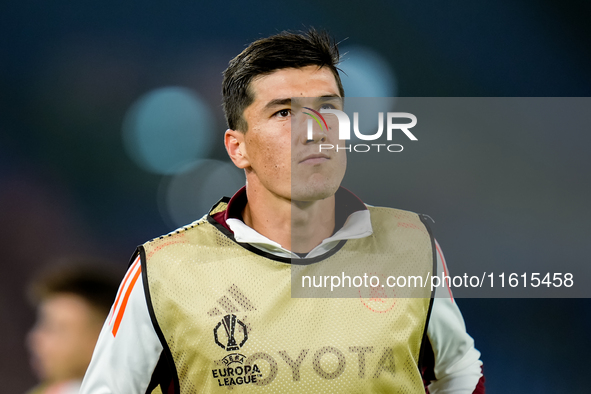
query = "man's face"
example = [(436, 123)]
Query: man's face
[(63, 339), (281, 158)]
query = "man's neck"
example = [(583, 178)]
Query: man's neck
[(296, 226)]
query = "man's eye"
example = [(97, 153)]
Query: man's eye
[(327, 106), (283, 113)]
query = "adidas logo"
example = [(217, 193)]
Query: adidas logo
[(232, 302)]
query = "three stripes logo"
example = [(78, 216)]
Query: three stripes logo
[(234, 302), (315, 115)]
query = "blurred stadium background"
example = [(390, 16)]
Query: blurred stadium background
[(86, 90)]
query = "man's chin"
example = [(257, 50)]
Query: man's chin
[(311, 194)]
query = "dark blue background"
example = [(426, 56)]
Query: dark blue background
[(69, 71)]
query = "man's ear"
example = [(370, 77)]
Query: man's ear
[(234, 142)]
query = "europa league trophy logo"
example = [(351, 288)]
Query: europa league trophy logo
[(229, 323)]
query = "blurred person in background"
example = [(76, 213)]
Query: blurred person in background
[(72, 302)]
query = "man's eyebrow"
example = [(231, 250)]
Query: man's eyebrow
[(278, 102), (330, 97)]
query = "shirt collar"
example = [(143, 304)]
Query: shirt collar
[(352, 219)]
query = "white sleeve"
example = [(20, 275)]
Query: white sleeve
[(128, 348), (457, 362)]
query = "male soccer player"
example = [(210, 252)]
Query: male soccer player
[(208, 308), (72, 303)]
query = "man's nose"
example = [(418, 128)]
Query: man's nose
[(314, 133)]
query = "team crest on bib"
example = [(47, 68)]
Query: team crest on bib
[(378, 299)]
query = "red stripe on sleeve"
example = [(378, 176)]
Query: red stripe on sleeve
[(124, 301), (125, 279)]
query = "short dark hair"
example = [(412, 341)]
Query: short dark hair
[(94, 283), (262, 57)]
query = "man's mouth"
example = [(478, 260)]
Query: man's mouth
[(315, 158)]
